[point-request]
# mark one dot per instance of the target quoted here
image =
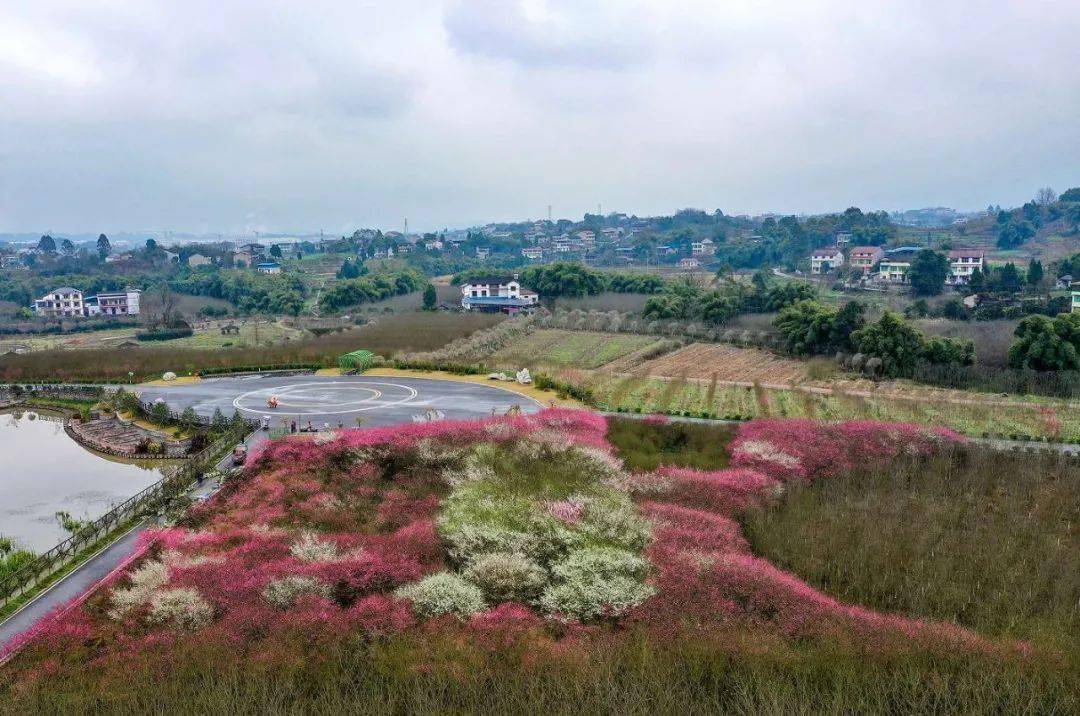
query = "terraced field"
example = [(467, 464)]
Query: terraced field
[(571, 349)]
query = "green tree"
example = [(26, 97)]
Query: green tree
[(928, 272), (948, 351), (103, 246), (218, 422), (431, 297), (1035, 273), (1007, 279), (47, 244), (189, 420), (275, 251), (67, 248), (717, 307), (892, 339), (159, 414), (848, 319), (1015, 233), (151, 246), (1044, 343), (977, 282), (807, 327)]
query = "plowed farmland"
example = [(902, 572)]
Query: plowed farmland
[(728, 363)]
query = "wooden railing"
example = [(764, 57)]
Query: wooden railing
[(150, 500)]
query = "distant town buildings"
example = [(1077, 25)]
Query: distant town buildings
[(497, 294)]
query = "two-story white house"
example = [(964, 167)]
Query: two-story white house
[(825, 260), (497, 294), (114, 303), (962, 263), (532, 253)]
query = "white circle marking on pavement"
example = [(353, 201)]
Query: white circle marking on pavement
[(325, 408)]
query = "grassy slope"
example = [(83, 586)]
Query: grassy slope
[(988, 540), (571, 348)]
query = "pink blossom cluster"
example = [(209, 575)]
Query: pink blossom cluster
[(703, 566), (810, 449), (339, 515)]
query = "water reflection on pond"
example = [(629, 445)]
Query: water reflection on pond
[(43, 471)]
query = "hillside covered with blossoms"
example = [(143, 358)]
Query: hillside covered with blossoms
[(523, 533)]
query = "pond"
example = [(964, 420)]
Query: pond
[(43, 471)]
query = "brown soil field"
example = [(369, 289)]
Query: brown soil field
[(702, 360)]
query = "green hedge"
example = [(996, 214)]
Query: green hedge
[(166, 335)]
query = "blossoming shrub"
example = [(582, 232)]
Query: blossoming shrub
[(443, 593), (537, 521), (499, 530)]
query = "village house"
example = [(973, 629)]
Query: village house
[(70, 302), (497, 294), (63, 301), (962, 263), (114, 303), (1076, 301), (689, 264), (482, 252), (825, 260), (705, 247), (532, 253), (196, 260), (865, 257), (269, 267)]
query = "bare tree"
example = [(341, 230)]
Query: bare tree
[(168, 301), (1045, 197)]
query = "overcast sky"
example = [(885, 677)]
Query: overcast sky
[(262, 115)]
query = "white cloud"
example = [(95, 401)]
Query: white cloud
[(123, 115)]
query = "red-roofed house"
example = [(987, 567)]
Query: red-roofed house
[(865, 257)]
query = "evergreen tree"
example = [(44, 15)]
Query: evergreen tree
[(1035, 273)]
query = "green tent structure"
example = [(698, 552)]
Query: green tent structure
[(357, 360)]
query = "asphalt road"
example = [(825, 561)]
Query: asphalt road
[(338, 399)]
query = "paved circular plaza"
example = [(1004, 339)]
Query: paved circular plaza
[(346, 400)]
